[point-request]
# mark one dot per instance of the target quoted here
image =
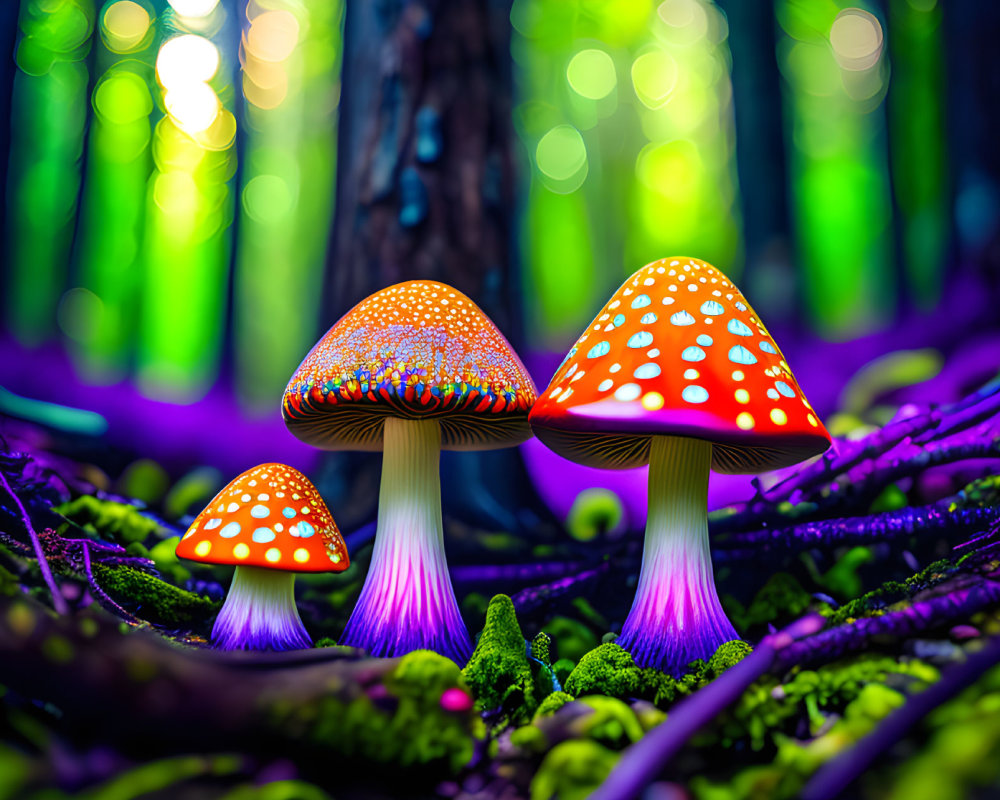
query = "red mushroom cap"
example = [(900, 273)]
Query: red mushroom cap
[(678, 351), (270, 516), (416, 350)]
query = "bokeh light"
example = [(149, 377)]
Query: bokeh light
[(187, 59), (561, 156), (194, 106), (856, 38), (591, 73), (193, 8), (125, 26)]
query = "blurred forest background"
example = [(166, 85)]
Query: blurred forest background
[(179, 228)]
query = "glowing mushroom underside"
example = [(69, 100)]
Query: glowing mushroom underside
[(677, 371)]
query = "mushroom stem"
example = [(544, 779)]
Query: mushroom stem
[(676, 616), (260, 613), (407, 602)]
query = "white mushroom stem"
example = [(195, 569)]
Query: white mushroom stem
[(260, 613), (407, 602), (676, 616)]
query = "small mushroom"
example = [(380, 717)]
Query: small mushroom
[(411, 370), (677, 371), (271, 523)]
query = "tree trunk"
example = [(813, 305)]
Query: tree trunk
[(425, 185)]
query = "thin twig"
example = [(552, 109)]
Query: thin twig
[(58, 601)]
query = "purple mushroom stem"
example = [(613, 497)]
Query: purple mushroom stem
[(643, 761), (407, 602), (889, 526), (260, 613), (836, 775), (676, 616), (58, 601)]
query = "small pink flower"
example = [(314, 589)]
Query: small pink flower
[(455, 699)]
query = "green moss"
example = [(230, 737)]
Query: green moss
[(607, 669), (727, 655), (551, 704), (562, 669), (891, 498), (981, 493), (164, 555), (152, 599), (540, 648), (414, 730), (116, 522), (572, 770), (498, 672), (876, 601)]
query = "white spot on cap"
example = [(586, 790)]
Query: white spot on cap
[(230, 530), (681, 318), (738, 354), (738, 328), (599, 349), (263, 535), (640, 339), (212, 523), (784, 388), (712, 308), (641, 301), (694, 394), (767, 347), (628, 391), (647, 371), (604, 385), (259, 512), (693, 354), (614, 368), (648, 318)]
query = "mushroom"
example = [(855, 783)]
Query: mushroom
[(677, 371), (411, 370), (271, 523)]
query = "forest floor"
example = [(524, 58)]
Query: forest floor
[(866, 584)]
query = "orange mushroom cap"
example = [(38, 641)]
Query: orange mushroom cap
[(415, 350), (678, 351), (270, 516)]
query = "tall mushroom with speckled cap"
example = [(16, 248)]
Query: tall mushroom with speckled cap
[(411, 370), (270, 522), (677, 371)]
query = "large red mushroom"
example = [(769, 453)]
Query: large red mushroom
[(677, 371)]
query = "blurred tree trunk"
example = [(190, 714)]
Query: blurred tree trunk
[(425, 187)]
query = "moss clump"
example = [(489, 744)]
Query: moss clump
[(551, 704), (152, 599), (607, 669), (572, 770), (572, 637), (541, 648), (498, 672), (727, 655), (876, 601), (409, 729), (116, 522), (981, 493)]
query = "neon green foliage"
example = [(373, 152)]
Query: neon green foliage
[(727, 655), (572, 770), (607, 669), (612, 724), (498, 672), (116, 522), (595, 512), (418, 731), (551, 704), (540, 648), (981, 493), (152, 599)]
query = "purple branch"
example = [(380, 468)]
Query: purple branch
[(877, 528), (838, 773), (932, 424), (535, 596), (58, 601), (102, 597), (643, 761), (938, 612)]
